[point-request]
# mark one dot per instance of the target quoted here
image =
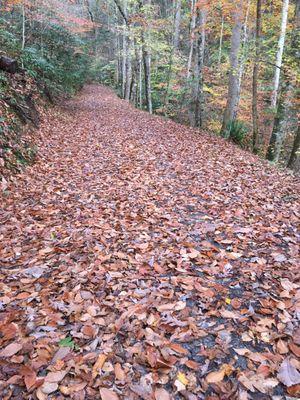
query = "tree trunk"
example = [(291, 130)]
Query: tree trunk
[(285, 106), (280, 124), (128, 72), (295, 44), (192, 33), (23, 26), (140, 80), (221, 41), (174, 48), (255, 133), (281, 41), (295, 149), (124, 52), (177, 25), (8, 64), (147, 74), (200, 47), (244, 45), (233, 84)]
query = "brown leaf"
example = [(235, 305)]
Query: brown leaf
[(295, 349), (161, 394), (108, 394), (98, 365), (73, 388), (216, 376), (178, 348), (54, 377), (11, 350), (119, 372), (29, 376), (288, 374), (282, 347)]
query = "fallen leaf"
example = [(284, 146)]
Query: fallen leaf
[(216, 376), (108, 394), (182, 378), (119, 372), (161, 394), (11, 350), (288, 374), (98, 365)]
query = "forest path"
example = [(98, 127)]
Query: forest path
[(156, 251)]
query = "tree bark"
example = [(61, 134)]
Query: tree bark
[(255, 132), (8, 64), (286, 107), (221, 41), (280, 124), (23, 27), (295, 149), (177, 25), (233, 84), (200, 48), (244, 45), (192, 33), (279, 55), (147, 73)]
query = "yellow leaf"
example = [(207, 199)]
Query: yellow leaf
[(227, 300), (182, 378)]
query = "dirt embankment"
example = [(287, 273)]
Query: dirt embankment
[(23, 101)]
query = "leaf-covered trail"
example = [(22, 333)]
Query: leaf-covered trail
[(143, 260)]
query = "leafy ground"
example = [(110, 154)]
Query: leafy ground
[(143, 260)]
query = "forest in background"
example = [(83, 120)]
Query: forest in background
[(228, 67)]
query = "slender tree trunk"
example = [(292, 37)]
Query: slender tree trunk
[(286, 103), (23, 30), (23, 26), (192, 33), (280, 124), (140, 80), (147, 73), (281, 41), (295, 44), (146, 56), (128, 83), (221, 41), (233, 84), (244, 47), (255, 133), (174, 47), (199, 100), (177, 25), (135, 75), (124, 53), (295, 149)]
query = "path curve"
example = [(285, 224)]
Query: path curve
[(157, 251)]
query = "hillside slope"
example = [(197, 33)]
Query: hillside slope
[(142, 259)]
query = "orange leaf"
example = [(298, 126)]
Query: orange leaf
[(119, 372), (108, 394), (98, 365)]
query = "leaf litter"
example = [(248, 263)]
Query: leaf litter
[(141, 259)]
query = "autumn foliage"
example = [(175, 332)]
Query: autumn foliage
[(137, 264)]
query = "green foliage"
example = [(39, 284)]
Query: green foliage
[(102, 71), (52, 54), (9, 42), (68, 342), (237, 132)]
